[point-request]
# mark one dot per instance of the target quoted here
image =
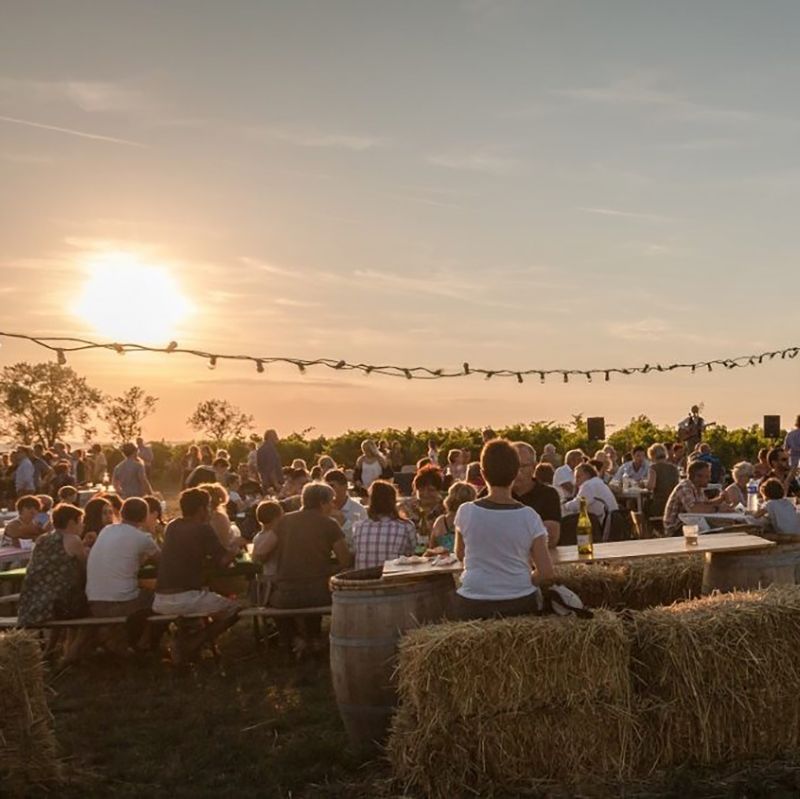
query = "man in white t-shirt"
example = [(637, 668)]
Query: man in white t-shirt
[(564, 476), (346, 510), (600, 500), (112, 570)]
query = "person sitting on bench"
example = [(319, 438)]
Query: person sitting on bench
[(189, 542)]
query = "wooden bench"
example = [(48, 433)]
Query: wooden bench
[(9, 599), (10, 622)]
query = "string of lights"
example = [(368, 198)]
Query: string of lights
[(62, 346)]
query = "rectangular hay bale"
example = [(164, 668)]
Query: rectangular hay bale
[(455, 671), (28, 750), (718, 679)]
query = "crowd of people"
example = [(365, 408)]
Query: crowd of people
[(500, 515)]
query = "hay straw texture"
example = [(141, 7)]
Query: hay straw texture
[(488, 703), (718, 679), (500, 707), (636, 584), (28, 754)]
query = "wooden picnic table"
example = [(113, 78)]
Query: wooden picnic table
[(713, 545)]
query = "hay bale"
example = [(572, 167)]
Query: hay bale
[(599, 585), (635, 584), (662, 581), (545, 661), (717, 679), (511, 752), (512, 703), (28, 754)]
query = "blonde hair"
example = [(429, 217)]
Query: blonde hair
[(369, 448), (459, 493), (299, 463), (657, 452), (219, 496), (742, 469)]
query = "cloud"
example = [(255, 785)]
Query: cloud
[(88, 95), (286, 302), (640, 90), (648, 329), (475, 161), (71, 131), (307, 137), (626, 214)]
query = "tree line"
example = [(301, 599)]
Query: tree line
[(47, 402)]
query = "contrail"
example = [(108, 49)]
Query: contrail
[(82, 134)]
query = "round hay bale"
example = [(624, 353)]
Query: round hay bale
[(28, 751)]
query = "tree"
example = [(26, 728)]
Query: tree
[(220, 420), (125, 414), (44, 402)]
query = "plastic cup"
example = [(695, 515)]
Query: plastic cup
[(690, 534)]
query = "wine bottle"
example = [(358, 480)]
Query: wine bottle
[(584, 535)]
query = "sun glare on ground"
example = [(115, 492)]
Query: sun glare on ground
[(127, 299)]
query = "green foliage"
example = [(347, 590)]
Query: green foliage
[(220, 420), (125, 414), (45, 402)]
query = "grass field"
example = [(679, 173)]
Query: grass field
[(254, 724), (257, 724)]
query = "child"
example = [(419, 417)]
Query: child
[(43, 519), (265, 544), (26, 528), (443, 534), (781, 512)]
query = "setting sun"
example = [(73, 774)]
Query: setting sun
[(127, 298)]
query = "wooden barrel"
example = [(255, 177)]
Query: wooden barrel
[(743, 571), (368, 617)]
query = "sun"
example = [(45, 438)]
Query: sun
[(128, 299)]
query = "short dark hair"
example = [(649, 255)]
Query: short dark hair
[(499, 462), (222, 462), (200, 475), (773, 489), (774, 454), (28, 501), (153, 505), (639, 448), (598, 466), (544, 473), (129, 449), (135, 510), (382, 500), (587, 469), (193, 500), (429, 475), (695, 467), (268, 511), (336, 476), (63, 514), (67, 491)]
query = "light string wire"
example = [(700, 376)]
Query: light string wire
[(61, 345)]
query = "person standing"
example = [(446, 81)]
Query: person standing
[(268, 463), (792, 444), (25, 474), (691, 429), (130, 478), (145, 453)]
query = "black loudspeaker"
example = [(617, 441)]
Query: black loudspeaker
[(772, 426), (596, 426)]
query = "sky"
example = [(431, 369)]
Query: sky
[(513, 183)]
